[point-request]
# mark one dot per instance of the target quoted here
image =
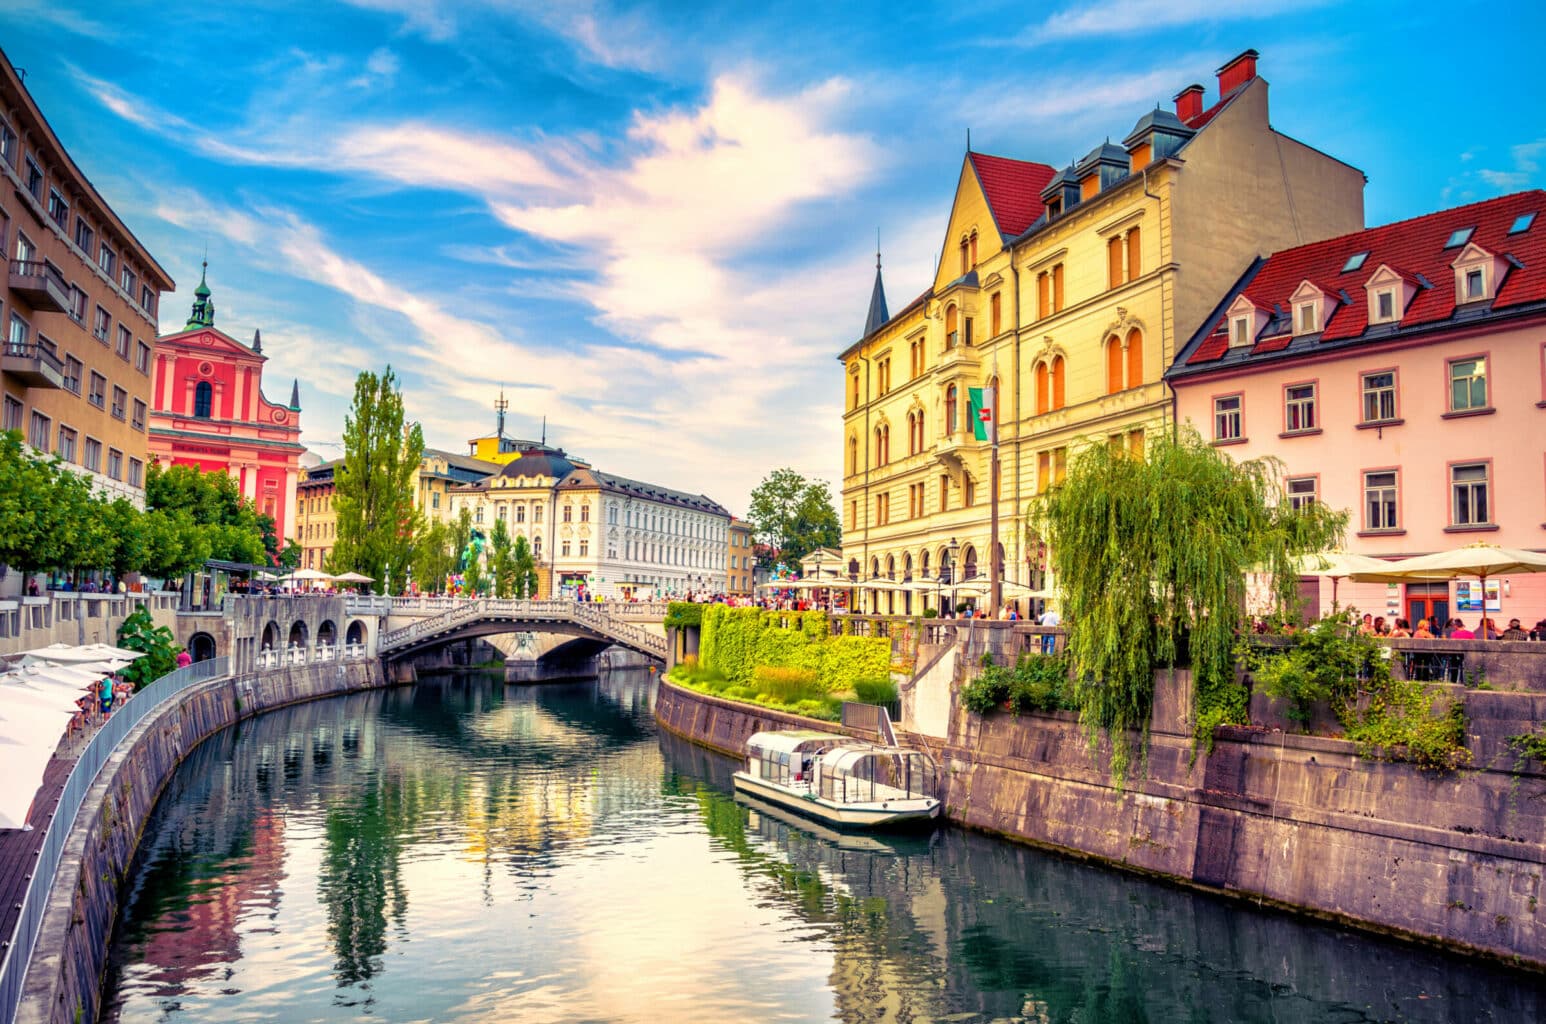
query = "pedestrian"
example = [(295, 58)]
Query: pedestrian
[(105, 694), (184, 659)]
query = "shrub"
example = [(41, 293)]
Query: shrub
[(1039, 682), (879, 690), (827, 710), (683, 613), (740, 693), (1328, 663), (930, 613), (788, 685), (1412, 722)]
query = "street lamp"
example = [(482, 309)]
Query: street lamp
[(818, 571), (952, 553)]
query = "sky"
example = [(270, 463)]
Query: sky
[(654, 226)]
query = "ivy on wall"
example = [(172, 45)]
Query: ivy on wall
[(737, 641)]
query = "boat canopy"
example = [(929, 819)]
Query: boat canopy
[(867, 773), (792, 741)]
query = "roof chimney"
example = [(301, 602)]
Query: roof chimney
[(1189, 102), (1237, 72)]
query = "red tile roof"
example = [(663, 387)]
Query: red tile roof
[(1411, 247), (1013, 189)]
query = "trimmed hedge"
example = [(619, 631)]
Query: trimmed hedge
[(683, 613), (737, 641)]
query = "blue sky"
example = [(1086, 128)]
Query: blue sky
[(655, 224)]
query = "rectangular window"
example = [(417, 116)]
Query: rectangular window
[(120, 402), (125, 342), (66, 449), (1475, 285), (568, 513), (77, 305), (138, 422), (1226, 418), (1057, 288), (1299, 407), (84, 236), (944, 492), (1043, 296), (1386, 303), (1379, 396), (584, 513), (1468, 502), (34, 179), (127, 280), (1240, 331), (7, 144), (1380, 500), (58, 209), (584, 548), (564, 549), (98, 395), (72, 375), (136, 473), (1467, 384), (520, 513), (142, 357), (107, 260), (19, 333), (93, 457), (25, 250), (1301, 491), (996, 313), (1113, 262), (1308, 318), (41, 427), (148, 300), (12, 414), (114, 464), (536, 515), (102, 326)]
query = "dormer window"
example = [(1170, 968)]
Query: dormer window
[(1460, 237), (1308, 318), (1522, 223), (1477, 274), (1475, 284), (1240, 332), (1354, 262), (1384, 306), (1054, 207)]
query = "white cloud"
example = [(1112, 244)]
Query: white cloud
[(59, 15), (1123, 17), (1527, 165)]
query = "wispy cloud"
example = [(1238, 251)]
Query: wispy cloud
[(1527, 166), (1128, 17), (57, 15)]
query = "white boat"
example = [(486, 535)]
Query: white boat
[(840, 780)]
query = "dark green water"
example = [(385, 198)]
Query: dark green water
[(467, 851)]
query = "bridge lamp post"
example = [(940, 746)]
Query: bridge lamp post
[(818, 570)]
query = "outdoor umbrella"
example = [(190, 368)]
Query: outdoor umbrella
[(1479, 560), (1340, 565), (29, 734), (353, 577), (309, 575)]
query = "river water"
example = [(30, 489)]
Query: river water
[(463, 850)]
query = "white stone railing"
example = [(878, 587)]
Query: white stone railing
[(596, 618)]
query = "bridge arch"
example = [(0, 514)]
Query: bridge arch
[(270, 635), (299, 633), (357, 633), (327, 634)]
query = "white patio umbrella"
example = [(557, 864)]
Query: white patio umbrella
[(67, 654), (1480, 560), (29, 735), (1340, 565), (352, 577)]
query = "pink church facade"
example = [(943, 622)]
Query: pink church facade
[(1400, 374), (208, 410)]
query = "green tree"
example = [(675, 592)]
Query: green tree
[(289, 557), (523, 569), (474, 581), (34, 518), (126, 526), (501, 564), (460, 537), (1152, 556), (139, 632), (230, 526), (374, 483), (432, 560), (793, 516), (174, 544)]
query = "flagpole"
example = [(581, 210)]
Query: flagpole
[(995, 584)]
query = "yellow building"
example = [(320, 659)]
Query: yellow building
[(739, 559), (1066, 291)]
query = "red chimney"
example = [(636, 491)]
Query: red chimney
[(1189, 103), (1237, 72)]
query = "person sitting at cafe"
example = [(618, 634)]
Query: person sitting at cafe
[(1515, 631), (1422, 632), (1367, 625), (1380, 628), (1403, 629), (1539, 632), (1489, 630), (1457, 631)]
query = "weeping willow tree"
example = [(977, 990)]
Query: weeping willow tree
[(1152, 556)]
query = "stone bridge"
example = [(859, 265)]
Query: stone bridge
[(598, 624)]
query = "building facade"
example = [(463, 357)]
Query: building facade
[(1399, 374), (78, 310), (316, 520), (739, 560), (602, 535), (208, 410), (1064, 292), (440, 472)]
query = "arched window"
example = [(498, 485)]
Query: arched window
[(923, 563), (1134, 356), (1057, 382), (998, 403), (853, 455), (1041, 389), (1113, 365), (973, 242), (907, 565), (874, 567), (203, 400), (1134, 254), (950, 410), (880, 459), (890, 567), (969, 563), (885, 444), (952, 335), (965, 254)]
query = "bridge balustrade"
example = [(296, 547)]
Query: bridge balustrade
[(595, 617)]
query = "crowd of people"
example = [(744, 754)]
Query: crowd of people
[(1450, 629)]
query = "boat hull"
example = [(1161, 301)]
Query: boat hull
[(881, 814)]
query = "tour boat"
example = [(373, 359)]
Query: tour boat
[(840, 780)]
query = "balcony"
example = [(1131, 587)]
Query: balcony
[(40, 286), (32, 364)]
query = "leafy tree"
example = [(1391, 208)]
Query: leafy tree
[(793, 516), (289, 557), (501, 565), (460, 536), (230, 526), (374, 483), (126, 526), (174, 544), (139, 632), (474, 581), (1152, 556), (34, 521), (523, 569), (432, 559)]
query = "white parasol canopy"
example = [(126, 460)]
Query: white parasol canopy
[(1340, 565), (309, 576), (1479, 560), (29, 735), (351, 577)]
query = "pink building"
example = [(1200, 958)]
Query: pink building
[(208, 410), (1398, 373)]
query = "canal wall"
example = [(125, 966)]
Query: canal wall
[(1297, 822), (62, 984)]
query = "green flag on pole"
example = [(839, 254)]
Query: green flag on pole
[(980, 409)]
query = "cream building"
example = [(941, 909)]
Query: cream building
[(607, 535), (1066, 291)]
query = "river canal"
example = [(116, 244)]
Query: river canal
[(463, 850)]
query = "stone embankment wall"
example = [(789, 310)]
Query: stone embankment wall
[(63, 982), (1300, 822)]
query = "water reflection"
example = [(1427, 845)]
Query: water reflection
[(466, 850)]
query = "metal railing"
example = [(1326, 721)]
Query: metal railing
[(101, 747), (33, 350), (591, 616)]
